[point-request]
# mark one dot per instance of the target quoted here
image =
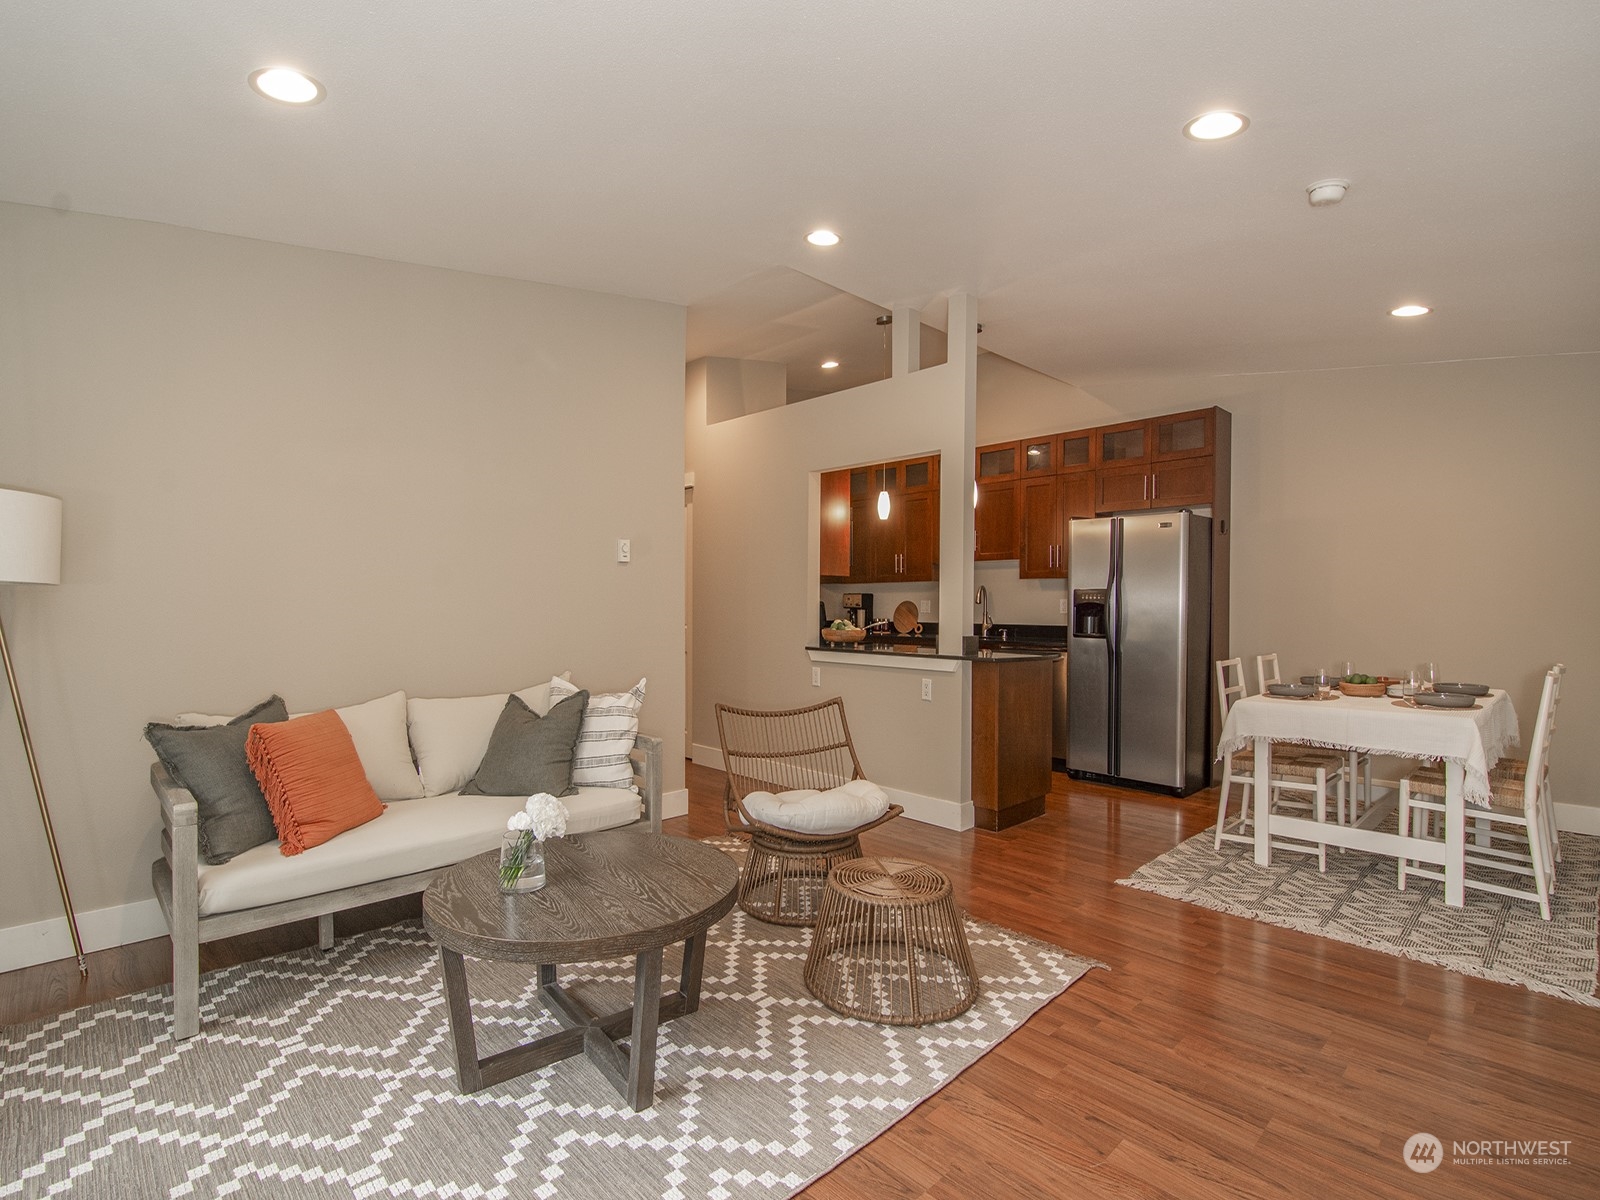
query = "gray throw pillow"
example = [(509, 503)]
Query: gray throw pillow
[(528, 753), (209, 760)]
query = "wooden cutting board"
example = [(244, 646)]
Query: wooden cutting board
[(905, 616)]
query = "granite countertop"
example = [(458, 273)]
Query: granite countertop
[(985, 654)]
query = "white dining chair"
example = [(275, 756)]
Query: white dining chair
[(1359, 762), (1304, 772), (1518, 825)]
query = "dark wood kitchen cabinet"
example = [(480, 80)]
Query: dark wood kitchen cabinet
[(1045, 509), (904, 546), (1164, 462), (835, 557)]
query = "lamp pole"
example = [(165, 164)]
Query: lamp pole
[(30, 552), (44, 809)]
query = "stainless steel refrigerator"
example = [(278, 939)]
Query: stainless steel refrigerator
[(1138, 647)]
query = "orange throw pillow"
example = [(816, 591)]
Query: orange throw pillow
[(313, 781)]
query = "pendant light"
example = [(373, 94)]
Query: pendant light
[(883, 494)]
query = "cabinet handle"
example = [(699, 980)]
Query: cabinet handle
[(1155, 486), (1144, 490)]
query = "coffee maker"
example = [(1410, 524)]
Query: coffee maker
[(858, 608)]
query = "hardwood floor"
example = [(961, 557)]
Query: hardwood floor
[(1217, 1057)]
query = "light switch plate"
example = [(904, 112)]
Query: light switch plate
[(927, 689), (624, 550), (816, 676)]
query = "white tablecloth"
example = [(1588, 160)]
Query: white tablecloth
[(1475, 739)]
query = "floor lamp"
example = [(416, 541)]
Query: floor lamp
[(30, 552)]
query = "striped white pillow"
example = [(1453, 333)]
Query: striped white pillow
[(610, 724)]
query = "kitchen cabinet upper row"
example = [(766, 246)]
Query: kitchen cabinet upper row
[(858, 546), (1033, 487)]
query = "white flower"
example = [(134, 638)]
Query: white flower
[(520, 822), (546, 815)]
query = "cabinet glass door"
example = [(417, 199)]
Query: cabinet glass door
[(1037, 457), (1123, 445), (1077, 450), (997, 462)]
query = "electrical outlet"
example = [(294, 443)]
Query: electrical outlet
[(624, 550), (927, 689), (926, 608), (816, 676), (1066, 606)]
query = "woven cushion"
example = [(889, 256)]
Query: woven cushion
[(528, 753), (838, 810), (610, 727), (1507, 781), (210, 762), (312, 778)]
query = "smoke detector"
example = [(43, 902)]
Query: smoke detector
[(1327, 191)]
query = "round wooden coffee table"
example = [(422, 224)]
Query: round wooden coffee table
[(609, 895)]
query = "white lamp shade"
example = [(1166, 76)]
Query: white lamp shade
[(30, 537)]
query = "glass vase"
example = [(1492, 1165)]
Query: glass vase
[(521, 863)]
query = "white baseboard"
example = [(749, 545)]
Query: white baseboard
[(46, 941), (706, 756), (675, 803), (1578, 818)]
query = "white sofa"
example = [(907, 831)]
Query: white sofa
[(395, 855)]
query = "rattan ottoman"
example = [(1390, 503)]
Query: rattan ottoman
[(889, 945)]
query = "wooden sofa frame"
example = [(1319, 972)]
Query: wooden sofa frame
[(177, 887)]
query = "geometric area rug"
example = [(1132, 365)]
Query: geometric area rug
[(1357, 901), (331, 1075)]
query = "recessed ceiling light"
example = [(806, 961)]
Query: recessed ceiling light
[(829, 365), (1410, 310), (287, 86), (1213, 126), (823, 237)]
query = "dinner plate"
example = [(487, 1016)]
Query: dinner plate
[(1442, 700), (1462, 689), (1291, 691)]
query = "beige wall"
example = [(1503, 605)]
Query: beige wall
[(755, 579), (1393, 514), (317, 474)]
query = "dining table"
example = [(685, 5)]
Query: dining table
[(1469, 741)]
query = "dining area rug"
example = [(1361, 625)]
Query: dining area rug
[(332, 1075), (1357, 901)]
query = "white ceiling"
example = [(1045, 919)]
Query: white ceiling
[(1027, 152)]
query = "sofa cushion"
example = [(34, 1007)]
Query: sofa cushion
[(419, 835), (378, 728), (837, 810), (450, 736), (528, 753), (610, 725), (210, 761), (312, 778)]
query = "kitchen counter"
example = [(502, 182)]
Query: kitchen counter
[(988, 653)]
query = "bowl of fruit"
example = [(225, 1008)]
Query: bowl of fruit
[(1362, 685), (843, 631)]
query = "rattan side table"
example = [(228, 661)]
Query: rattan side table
[(889, 945)]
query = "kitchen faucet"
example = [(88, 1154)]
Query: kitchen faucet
[(982, 599)]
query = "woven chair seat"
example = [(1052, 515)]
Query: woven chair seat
[(1507, 779), (1291, 762)]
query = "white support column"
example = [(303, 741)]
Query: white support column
[(906, 344)]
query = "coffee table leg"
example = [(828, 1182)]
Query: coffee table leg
[(641, 1090), (694, 965), (459, 1006)]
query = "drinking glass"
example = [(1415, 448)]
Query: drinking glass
[(1427, 676), (1412, 683), (1344, 667)]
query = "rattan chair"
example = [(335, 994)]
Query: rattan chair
[(782, 751)]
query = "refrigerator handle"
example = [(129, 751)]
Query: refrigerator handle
[(1114, 652)]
